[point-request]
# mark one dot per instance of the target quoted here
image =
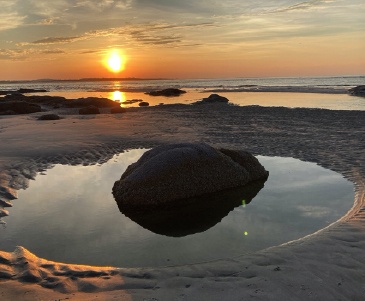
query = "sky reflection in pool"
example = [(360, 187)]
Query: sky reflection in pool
[(70, 215)]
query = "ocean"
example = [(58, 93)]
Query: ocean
[(307, 92)]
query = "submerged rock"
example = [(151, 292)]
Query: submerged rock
[(168, 175), (21, 90), (131, 101), (358, 91), (167, 92), (213, 98)]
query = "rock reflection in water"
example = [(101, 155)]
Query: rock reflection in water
[(193, 215)]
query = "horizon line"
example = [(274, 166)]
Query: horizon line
[(86, 79)]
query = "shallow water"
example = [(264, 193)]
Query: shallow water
[(265, 99), (198, 88), (70, 215)]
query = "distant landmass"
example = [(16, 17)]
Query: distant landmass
[(92, 79)]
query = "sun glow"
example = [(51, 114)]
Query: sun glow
[(115, 61), (117, 96)]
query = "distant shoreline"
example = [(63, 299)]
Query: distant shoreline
[(101, 79), (95, 79)]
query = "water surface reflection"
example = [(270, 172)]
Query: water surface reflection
[(70, 215), (196, 214)]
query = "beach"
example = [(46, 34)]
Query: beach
[(327, 265)]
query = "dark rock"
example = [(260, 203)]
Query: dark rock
[(8, 112), (92, 101), (144, 104), (19, 107), (49, 117), (14, 97), (21, 90), (358, 91), (170, 92), (89, 110), (25, 90), (194, 215), (213, 98), (47, 100), (168, 174), (43, 99), (117, 110), (131, 101)]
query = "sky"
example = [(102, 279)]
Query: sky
[(70, 39)]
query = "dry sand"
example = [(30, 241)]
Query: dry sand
[(328, 265)]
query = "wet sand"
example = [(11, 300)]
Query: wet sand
[(328, 265)]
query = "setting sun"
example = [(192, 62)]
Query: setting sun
[(115, 61)]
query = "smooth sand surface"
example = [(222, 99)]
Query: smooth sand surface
[(328, 265)]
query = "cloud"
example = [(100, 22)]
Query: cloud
[(170, 23), (15, 13), (100, 5), (306, 5), (57, 40), (27, 54), (48, 21), (55, 51), (145, 38), (9, 17), (148, 33)]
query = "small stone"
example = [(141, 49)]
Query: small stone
[(49, 117)]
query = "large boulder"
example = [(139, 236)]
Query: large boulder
[(168, 175)]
